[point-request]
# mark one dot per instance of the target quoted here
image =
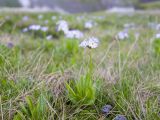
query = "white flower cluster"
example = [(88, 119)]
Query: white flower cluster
[(158, 27), (122, 35), (44, 29), (154, 26), (25, 18), (157, 36), (91, 42), (74, 34), (63, 26), (35, 28), (49, 37), (88, 24)]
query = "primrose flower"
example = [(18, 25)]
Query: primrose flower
[(62, 25), (10, 45), (120, 117), (122, 35), (74, 34), (106, 109), (91, 42)]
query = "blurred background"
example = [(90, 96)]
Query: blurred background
[(75, 6)]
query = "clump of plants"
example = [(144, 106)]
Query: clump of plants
[(83, 91), (156, 46)]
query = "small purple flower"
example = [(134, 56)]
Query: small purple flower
[(106, 109), (10, 45), (120, 117)]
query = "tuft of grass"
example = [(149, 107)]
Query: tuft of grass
[(156, 46), (82, 91), (31, 110)]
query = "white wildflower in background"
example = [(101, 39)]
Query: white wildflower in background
[(152, 25), (91, 42), (122, 35), (158, 27), (34, 27), (25, 30), (157, 36), (62, 25), (74, 34), (49, 37), (83, 44), (88, 24), (25, 18), (44, 28)]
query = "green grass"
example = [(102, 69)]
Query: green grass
[(56, 79), (151, 5)]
